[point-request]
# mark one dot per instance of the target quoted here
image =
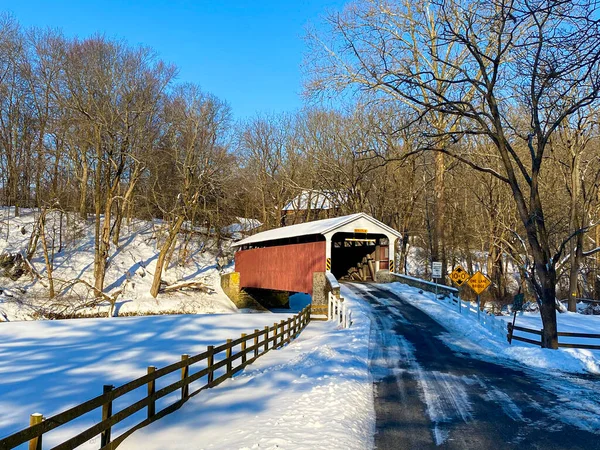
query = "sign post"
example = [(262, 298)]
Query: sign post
[(479, 283), (436, 274)]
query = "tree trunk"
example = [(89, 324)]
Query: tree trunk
[(575, 223), (164, 250), (576, 258), (439, 250), (103, 247), (83, 192), (547, 280), (597, 273), (47, 260)]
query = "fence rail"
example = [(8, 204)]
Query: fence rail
[(338, 310), (261, 342), (512, 337)]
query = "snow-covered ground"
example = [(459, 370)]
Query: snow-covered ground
[(314, 393), (469, 336), (131, 268)]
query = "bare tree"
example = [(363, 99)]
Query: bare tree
[(194, 157), (542, 56)]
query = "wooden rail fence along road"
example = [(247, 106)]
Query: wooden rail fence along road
[(242, 351), (511, 336)]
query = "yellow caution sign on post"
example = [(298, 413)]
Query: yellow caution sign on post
[(459, 276), (479, 282), (328, 264)]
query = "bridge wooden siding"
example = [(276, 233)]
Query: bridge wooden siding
[(281, 268)]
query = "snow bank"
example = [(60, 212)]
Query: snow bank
[(465, 334), (314, 393)]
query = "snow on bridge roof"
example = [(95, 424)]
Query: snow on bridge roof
[(316, 227)]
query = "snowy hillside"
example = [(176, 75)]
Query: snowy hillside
[(130, 270)]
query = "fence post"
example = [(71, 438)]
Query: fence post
[(255, 343), (275, 336), (282, 331), (244, 348), (185, 372), (210, 361), (266, 339), (36, 442), (151, 392), (106, 413), (228, 356)]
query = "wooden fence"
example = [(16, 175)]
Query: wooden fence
[(511, 336), (251, 347)]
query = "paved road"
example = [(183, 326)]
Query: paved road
[(429, 396)]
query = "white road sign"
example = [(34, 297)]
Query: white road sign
[(436, 269)]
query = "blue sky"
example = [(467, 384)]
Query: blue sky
[(246, 52)]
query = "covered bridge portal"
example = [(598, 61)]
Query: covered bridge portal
[(286, 259)]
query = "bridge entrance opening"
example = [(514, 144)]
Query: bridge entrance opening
[(358, 256)]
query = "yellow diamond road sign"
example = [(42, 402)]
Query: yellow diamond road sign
[(479, 282), (459, 276)]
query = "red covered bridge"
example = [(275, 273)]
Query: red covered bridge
[(286, 259)]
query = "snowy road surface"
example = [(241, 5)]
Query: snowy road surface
[(431, 396)]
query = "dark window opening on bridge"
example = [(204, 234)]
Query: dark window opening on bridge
[(356, 256), (287, 241)]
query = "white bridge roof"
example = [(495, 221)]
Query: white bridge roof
[(323, 226)]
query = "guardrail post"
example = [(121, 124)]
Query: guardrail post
[(106, 414), (244, 348), (255, 343), (228, 353), (266, 338), (210, 361), (36, 442), (151, 392), (185, 372)]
